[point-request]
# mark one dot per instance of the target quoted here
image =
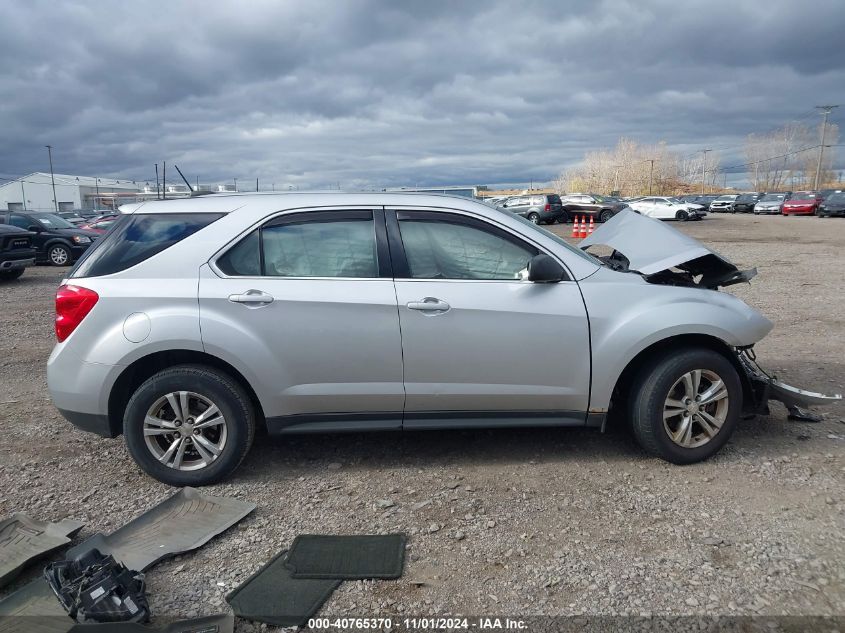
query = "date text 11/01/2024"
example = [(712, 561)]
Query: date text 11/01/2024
[(418, 624)]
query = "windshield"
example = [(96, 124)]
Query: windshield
[(726, 198), (839, 198), (802, 197), (557, 238), (748, 197), (773, 197), (52, 221)]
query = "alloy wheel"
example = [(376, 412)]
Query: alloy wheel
[(185, 430), (696, 408), (59, 255)]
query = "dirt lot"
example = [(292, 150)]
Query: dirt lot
[(520, 522)]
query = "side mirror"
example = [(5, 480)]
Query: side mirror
[(34, 228), (543, 269)]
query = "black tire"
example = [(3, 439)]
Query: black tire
[(216, 386), (605, 215), (683, 216), (534, 217), (650, 389), (9, 275), (59, 255), (564, 218)]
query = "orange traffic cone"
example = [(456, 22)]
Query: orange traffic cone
[(575, 230), (583, 227), (592, 226)]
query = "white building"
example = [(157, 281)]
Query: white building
[(35, 193)]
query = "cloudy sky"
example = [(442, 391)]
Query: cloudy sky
[(382, 93)]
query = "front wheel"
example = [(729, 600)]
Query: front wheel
[(189, 425), (605, 215), (683, 216), (685, 405), (59, 255)]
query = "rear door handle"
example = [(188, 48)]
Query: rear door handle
[(255, 298), (428, 304)]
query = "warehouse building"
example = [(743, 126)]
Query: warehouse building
[(35, 193)]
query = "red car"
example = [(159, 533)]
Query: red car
[(802, 203), (101, 224)]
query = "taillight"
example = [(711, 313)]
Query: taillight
[(72, 305), (548, 207)]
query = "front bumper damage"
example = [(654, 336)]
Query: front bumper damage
[(762, 387)]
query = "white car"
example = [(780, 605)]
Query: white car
[(664, 208)]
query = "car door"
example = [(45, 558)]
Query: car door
[(482, 345), (31, 224), (305, 305)]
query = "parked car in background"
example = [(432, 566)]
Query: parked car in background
[(168, 331), (701, 199), (826, 193), (723, 204), (601, 208), (73, 217), (833, 205), (745, 202), (771, 203), (666, 208), (16, 251), (101, 224), (537, 208), (802, 203), (56, 241)]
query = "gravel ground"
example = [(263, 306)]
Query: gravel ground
[(508, 522)]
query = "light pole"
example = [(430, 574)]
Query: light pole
[(703, 167), (52, 178), (23, 196), (650, 174), (97, 184), (827, 109)]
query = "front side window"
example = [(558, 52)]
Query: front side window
[(441, 249), (319, 246)]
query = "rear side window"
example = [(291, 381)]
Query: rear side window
[(135, 238), (554, 199)]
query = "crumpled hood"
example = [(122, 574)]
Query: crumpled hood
[(652, 246)]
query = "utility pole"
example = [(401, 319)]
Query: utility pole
[(756, 166), (616, 177), (703, 167), (256, 185), (23, 195), (158, 194), (650, 174), (97, 184), (52, 178), (826, 110), (236, 183)]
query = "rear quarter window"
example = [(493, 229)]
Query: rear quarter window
[(135, 238)]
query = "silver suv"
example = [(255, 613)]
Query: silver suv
[(193, 321)]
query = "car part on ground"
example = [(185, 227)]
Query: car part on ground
[(181, 523), (273, 596), (96, 588), (24, 540), (347, 557)]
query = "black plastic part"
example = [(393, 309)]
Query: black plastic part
[(96, 588), (349, 557), (543, 268), (92, 423)]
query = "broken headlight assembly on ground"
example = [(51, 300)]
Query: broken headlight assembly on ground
[(96, 588)]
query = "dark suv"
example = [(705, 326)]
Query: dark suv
[(746, 201), (16, 251), (539, 208), (602, 208), (56, 240)]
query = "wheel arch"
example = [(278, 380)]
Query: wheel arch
[(622, 387), (141, 369)]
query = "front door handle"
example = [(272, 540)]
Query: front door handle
[(429, 304), (254, 298)]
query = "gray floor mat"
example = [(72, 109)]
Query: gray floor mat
[(271, 595), (223, 623), (179, 524), (356, 556), (23, 540), (33, 608)]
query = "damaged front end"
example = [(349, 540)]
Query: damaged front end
[(762, 387)]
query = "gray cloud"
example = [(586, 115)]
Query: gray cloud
[(370, 93)]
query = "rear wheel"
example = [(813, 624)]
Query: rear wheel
[(685, 405), (605, 215), (189, 425), (533, 217)]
